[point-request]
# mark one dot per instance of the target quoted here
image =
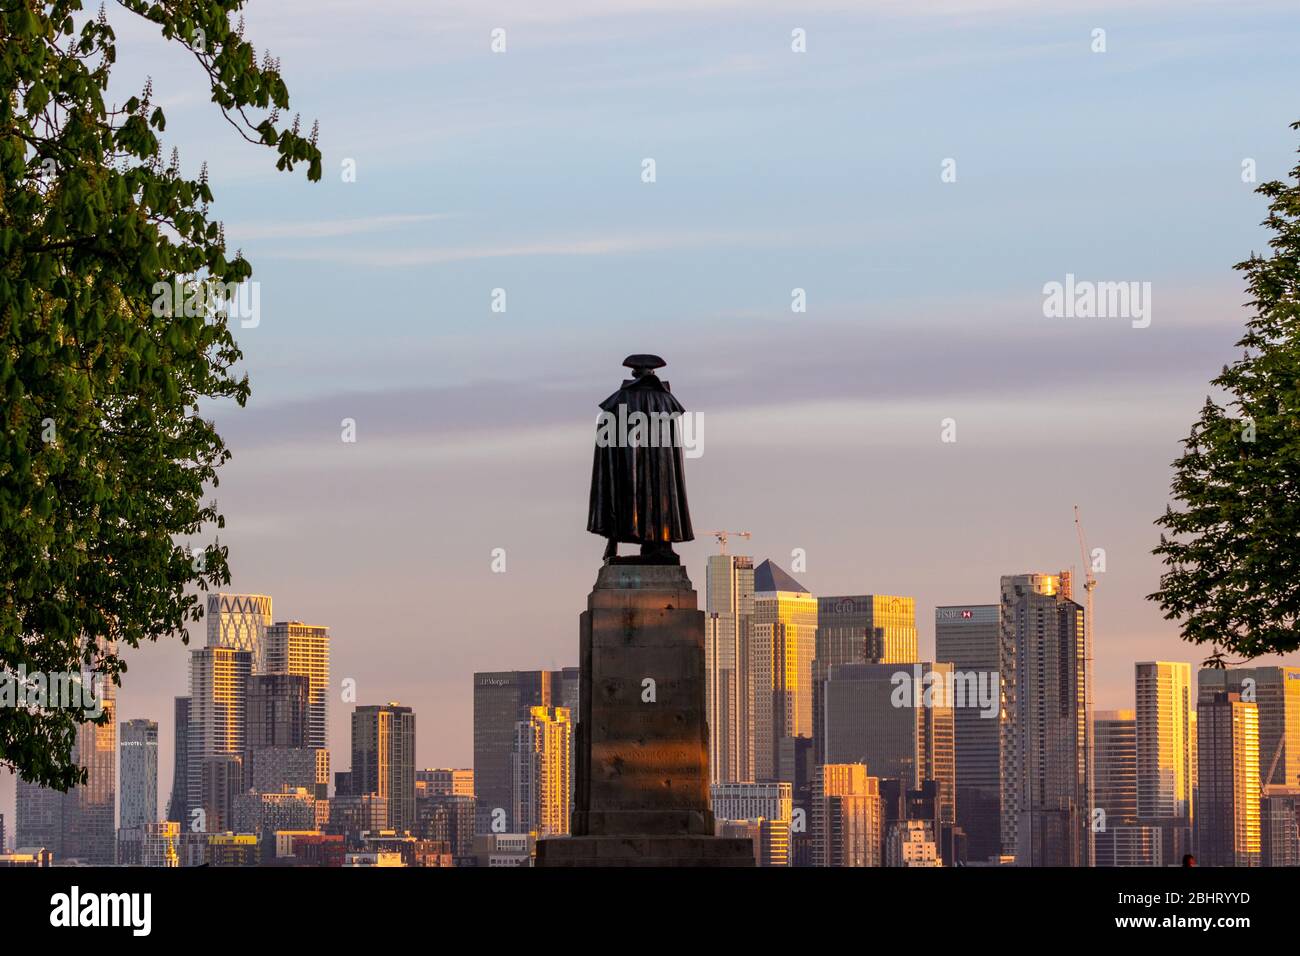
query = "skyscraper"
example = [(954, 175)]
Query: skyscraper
[(139, 773), (383, 759), (861, 629), (898, 721), (1116, 774), (1276, 691), (278, 706), (178, 806), (239, 622), (1227, 815), (501, 700), (1120, 838), (293, 647), (1163, 691), (1046, 805), (782, 642), (77, 825), (543, 771), (729, 608), (218, 710), (968, 637)]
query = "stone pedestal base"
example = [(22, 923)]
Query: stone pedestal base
[(672, 851), (641, 747)]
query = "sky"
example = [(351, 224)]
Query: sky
[(775, 170)]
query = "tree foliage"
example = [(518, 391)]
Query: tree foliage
[(1232, 548), (104, 456)]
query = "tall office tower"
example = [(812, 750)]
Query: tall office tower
[(293, 647), (239, 622), (178, 805), (968, 637), (847, 816), (898, 720), (501, 700), (1163, 691), (1193, 755), (729, 608), (782, 640), (1227, 818), (218, 709), (383, 759), (543, 771), (2, 833), (865, 629), (1046, 804), (1276, 690), (139, 773), (445, 781)]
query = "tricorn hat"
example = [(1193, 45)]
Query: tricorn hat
[(650, 362)]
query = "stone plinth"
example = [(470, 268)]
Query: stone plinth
[(641, 760)]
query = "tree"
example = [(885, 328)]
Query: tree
[(104, 456), (1232, 553)]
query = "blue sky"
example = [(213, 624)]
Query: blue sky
[(775, 170)]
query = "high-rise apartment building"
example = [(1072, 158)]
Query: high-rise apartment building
[(1163, 692), (1228, 808), (1046, 748), (897, 719), (729, 608), (383, 759), (969, 637), (293, 647), (501, 700), (78, 825), (782, 642), (543, 771), (139, 773), (218, 711), (1115, 749), (847, 820), (239, 622)]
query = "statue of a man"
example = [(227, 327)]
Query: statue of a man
[(638, 482)]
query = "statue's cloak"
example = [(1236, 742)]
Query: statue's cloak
[(638, 491)]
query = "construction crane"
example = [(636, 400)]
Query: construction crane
[(1265, 780), (723, 535), (1089, 585)]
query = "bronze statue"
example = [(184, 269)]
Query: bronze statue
[(638, 482)]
